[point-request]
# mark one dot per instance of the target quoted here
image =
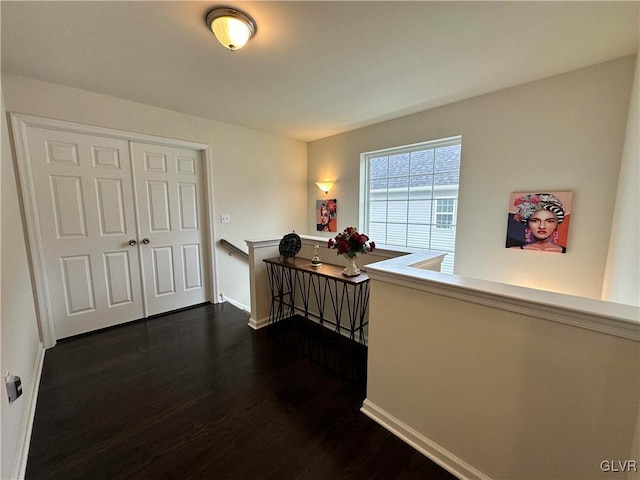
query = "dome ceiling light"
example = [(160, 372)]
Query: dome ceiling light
[(232, 28)]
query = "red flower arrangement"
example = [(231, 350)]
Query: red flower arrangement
[(351, 243), (526, 206)]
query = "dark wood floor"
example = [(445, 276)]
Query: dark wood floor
[(198, 394)]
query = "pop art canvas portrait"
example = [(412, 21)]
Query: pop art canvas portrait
[(327, 215), (539, 221)]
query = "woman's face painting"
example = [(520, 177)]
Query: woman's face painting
[(324, 216), (542, 224)]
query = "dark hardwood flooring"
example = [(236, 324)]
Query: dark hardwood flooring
[(198, 394)]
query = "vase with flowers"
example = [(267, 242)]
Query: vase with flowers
[(350, 244)]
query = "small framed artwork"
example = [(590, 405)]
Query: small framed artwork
[(539, 221), (327, 215)]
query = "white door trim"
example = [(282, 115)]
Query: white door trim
[(19, 125)]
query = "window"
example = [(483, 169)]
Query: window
[(410, 196), (445, 212)]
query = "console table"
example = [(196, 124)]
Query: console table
[(324, 293), (301, 293)]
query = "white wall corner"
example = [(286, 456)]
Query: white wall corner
[(258, 278), (259, 323), (622, 278)]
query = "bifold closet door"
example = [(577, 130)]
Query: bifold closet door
[(84, 197), (169, 190), (120, 227)]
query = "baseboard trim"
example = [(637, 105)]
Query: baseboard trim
[(430, 449), (258, 324), (236, 304), (20, 464)]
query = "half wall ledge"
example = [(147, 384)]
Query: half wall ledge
[(597, 315)]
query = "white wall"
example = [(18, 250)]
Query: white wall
[(561, 133), (21, 351), (622, 277), (258, 179), (497, 393)]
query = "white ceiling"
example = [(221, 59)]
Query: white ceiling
[(313, 69)]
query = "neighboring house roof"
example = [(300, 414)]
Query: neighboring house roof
[(416, 169)]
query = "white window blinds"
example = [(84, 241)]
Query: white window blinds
[(411, 196)]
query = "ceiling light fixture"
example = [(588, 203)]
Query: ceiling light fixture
[(231, 27)]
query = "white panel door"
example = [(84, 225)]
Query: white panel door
[(84, 197), (169, 190)]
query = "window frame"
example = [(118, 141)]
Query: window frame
[(365, 177), (452, 213)]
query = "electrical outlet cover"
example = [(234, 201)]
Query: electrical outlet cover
[(14, 387)]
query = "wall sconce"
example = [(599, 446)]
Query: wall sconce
[(325, 186), (231, 27)]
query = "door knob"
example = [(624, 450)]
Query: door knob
[(133, 243), (145, 241)]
